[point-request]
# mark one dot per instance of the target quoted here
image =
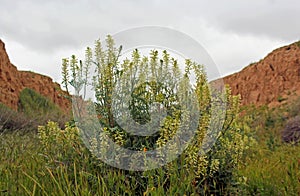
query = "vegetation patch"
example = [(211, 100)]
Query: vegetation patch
[(298, 43), (249, 156), (11, 120), (281, 99), (291, 132), (39, 108)]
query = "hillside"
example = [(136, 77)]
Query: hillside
[(248, 157), (272, 81), (13, 81)]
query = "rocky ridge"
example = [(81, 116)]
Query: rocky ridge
[(272, 81), (13, 81)]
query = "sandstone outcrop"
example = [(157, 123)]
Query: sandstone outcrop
[(271, 81), (13, 81)]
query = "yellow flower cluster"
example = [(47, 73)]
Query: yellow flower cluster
[(60, 145)]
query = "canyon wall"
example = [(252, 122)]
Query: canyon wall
[(271, 81), (13, 81)]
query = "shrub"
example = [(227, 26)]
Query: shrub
[(212, 172), (32, 103), (39, 108), (291, 132), (298, 43), (294, 108), (60, 146), (33, 110), (281, 99), (11, 120)]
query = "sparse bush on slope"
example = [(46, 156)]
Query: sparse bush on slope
[(33, 110), (40, 109), (11, 120), (294, 108), (291, 132), (298, 43)]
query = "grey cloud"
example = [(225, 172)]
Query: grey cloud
[(274, 19), (51, 25), (281, 25), (45, 26), (64, 25), (69, 23)]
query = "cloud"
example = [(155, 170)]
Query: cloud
[(273, 19), (234, 32), (48, 25)]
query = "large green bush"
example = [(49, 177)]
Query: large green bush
[(191, 172)]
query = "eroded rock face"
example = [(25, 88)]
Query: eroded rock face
[(12, 82), (271, 81)]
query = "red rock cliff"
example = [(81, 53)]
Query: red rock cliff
[(270, 81), (12, 82)]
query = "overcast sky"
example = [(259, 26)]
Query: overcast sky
[(38, 34)]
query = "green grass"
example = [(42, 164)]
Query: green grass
[(28, 168), (19, 155), (24, 170), (273, 172), (54, 164), (273, 167)]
